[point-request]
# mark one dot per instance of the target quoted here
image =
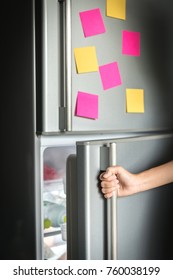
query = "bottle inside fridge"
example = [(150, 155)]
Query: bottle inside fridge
[(54, 201)]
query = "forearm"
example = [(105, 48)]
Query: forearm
[(156, 177)]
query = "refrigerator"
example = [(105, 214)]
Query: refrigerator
[(48, 144), (104, 97)]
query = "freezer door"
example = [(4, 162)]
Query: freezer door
[(66, 82), (135, 227)]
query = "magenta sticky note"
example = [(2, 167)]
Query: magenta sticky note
[(110, 75), (92, 22), (87, 105), (131, 43)]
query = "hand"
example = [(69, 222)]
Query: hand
[(117, 179)]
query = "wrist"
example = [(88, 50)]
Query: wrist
[(141, 182)]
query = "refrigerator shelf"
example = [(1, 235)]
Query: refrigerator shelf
[(51, 185), (54, 247), (60, 252), (55, 252), (50, 198), (52, 231), (53, 181)]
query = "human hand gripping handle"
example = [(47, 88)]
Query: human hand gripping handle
[(109, 182), (118, 179)]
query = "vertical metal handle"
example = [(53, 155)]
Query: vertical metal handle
[(112, 212), (67, 63)]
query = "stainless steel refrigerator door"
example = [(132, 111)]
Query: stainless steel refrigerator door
[(151, 71), (140, 218)]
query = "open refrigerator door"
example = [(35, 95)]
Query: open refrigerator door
[(120, 228)]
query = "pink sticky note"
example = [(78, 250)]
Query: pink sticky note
[(131, 43), (110, 75), (87, 105), (92, 22)]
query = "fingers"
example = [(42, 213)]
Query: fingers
[(109, 173), (107, 177), (109, 181), (108, 188), (108, 195)]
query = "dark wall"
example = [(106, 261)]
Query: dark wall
[(17, 224)]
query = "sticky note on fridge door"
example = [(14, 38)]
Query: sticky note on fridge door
[(116, 9), (87, 105), (134, 100), (130, 43), (86, 59), (92, 22), (110, 75)]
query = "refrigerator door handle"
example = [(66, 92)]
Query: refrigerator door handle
[(67, 72), (112, 212)]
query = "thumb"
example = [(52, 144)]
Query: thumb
[(112, 171), (108, 173)]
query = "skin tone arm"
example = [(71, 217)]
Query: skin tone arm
[(118, 179)]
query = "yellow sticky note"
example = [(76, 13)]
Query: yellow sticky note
[(116, 9), (135, 100), (86, 59)]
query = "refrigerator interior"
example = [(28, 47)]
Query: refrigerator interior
[(143, 221), (54, 200)]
